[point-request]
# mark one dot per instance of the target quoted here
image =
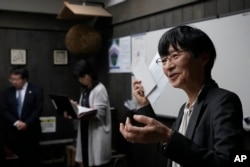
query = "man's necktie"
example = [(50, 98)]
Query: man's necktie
[(19, 103)]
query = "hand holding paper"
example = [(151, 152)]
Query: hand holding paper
[(130, 105), (82, 111), (139, 93), (142, 73), (63, 104)]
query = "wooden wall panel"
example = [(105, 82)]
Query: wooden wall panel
[(134, 9), (199, 11), (184, 14), (223, 6), (247, 4), (177, 16), (169, 20), (236, 5), (188, 13), (210, 8)]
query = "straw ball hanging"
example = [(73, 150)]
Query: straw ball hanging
[(83, 40)]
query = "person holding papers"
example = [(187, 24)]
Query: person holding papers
[(93, 146), (208, 129)]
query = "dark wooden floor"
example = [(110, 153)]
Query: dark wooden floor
[(15, 163)]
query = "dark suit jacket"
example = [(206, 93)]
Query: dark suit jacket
[(31, 111), (214, 131)]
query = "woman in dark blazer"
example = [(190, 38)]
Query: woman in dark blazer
[(208, 129)]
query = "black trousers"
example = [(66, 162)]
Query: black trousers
[(2, 153), (84, 142), (26, 147)]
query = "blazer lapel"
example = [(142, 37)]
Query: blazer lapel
[(193, 120), (12, 96), (179, 119), (27, 96)]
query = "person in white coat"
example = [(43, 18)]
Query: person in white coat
[(93, 146)]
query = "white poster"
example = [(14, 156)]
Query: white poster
[(120, 55), (138, 49)]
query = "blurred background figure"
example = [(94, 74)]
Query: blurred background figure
[(93, 146), (21, 107)]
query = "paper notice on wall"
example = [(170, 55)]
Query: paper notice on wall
[(120, 55), (48, 124)]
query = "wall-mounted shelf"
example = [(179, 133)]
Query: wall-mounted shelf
[(82, 12)]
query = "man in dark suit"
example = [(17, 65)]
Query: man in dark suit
[(21, 108), (208, 130)]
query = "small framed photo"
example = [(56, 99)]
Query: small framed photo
[(18, 56), (60, 57)]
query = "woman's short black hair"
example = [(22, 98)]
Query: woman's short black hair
[(189, 39), (82, 68), (20, 70)]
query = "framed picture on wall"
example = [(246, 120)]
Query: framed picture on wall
[(60, 57), (18, 56)]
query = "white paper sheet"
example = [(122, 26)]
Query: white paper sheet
[(142, 73), (160, 79)]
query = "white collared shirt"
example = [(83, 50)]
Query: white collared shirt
[(23, 91)]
